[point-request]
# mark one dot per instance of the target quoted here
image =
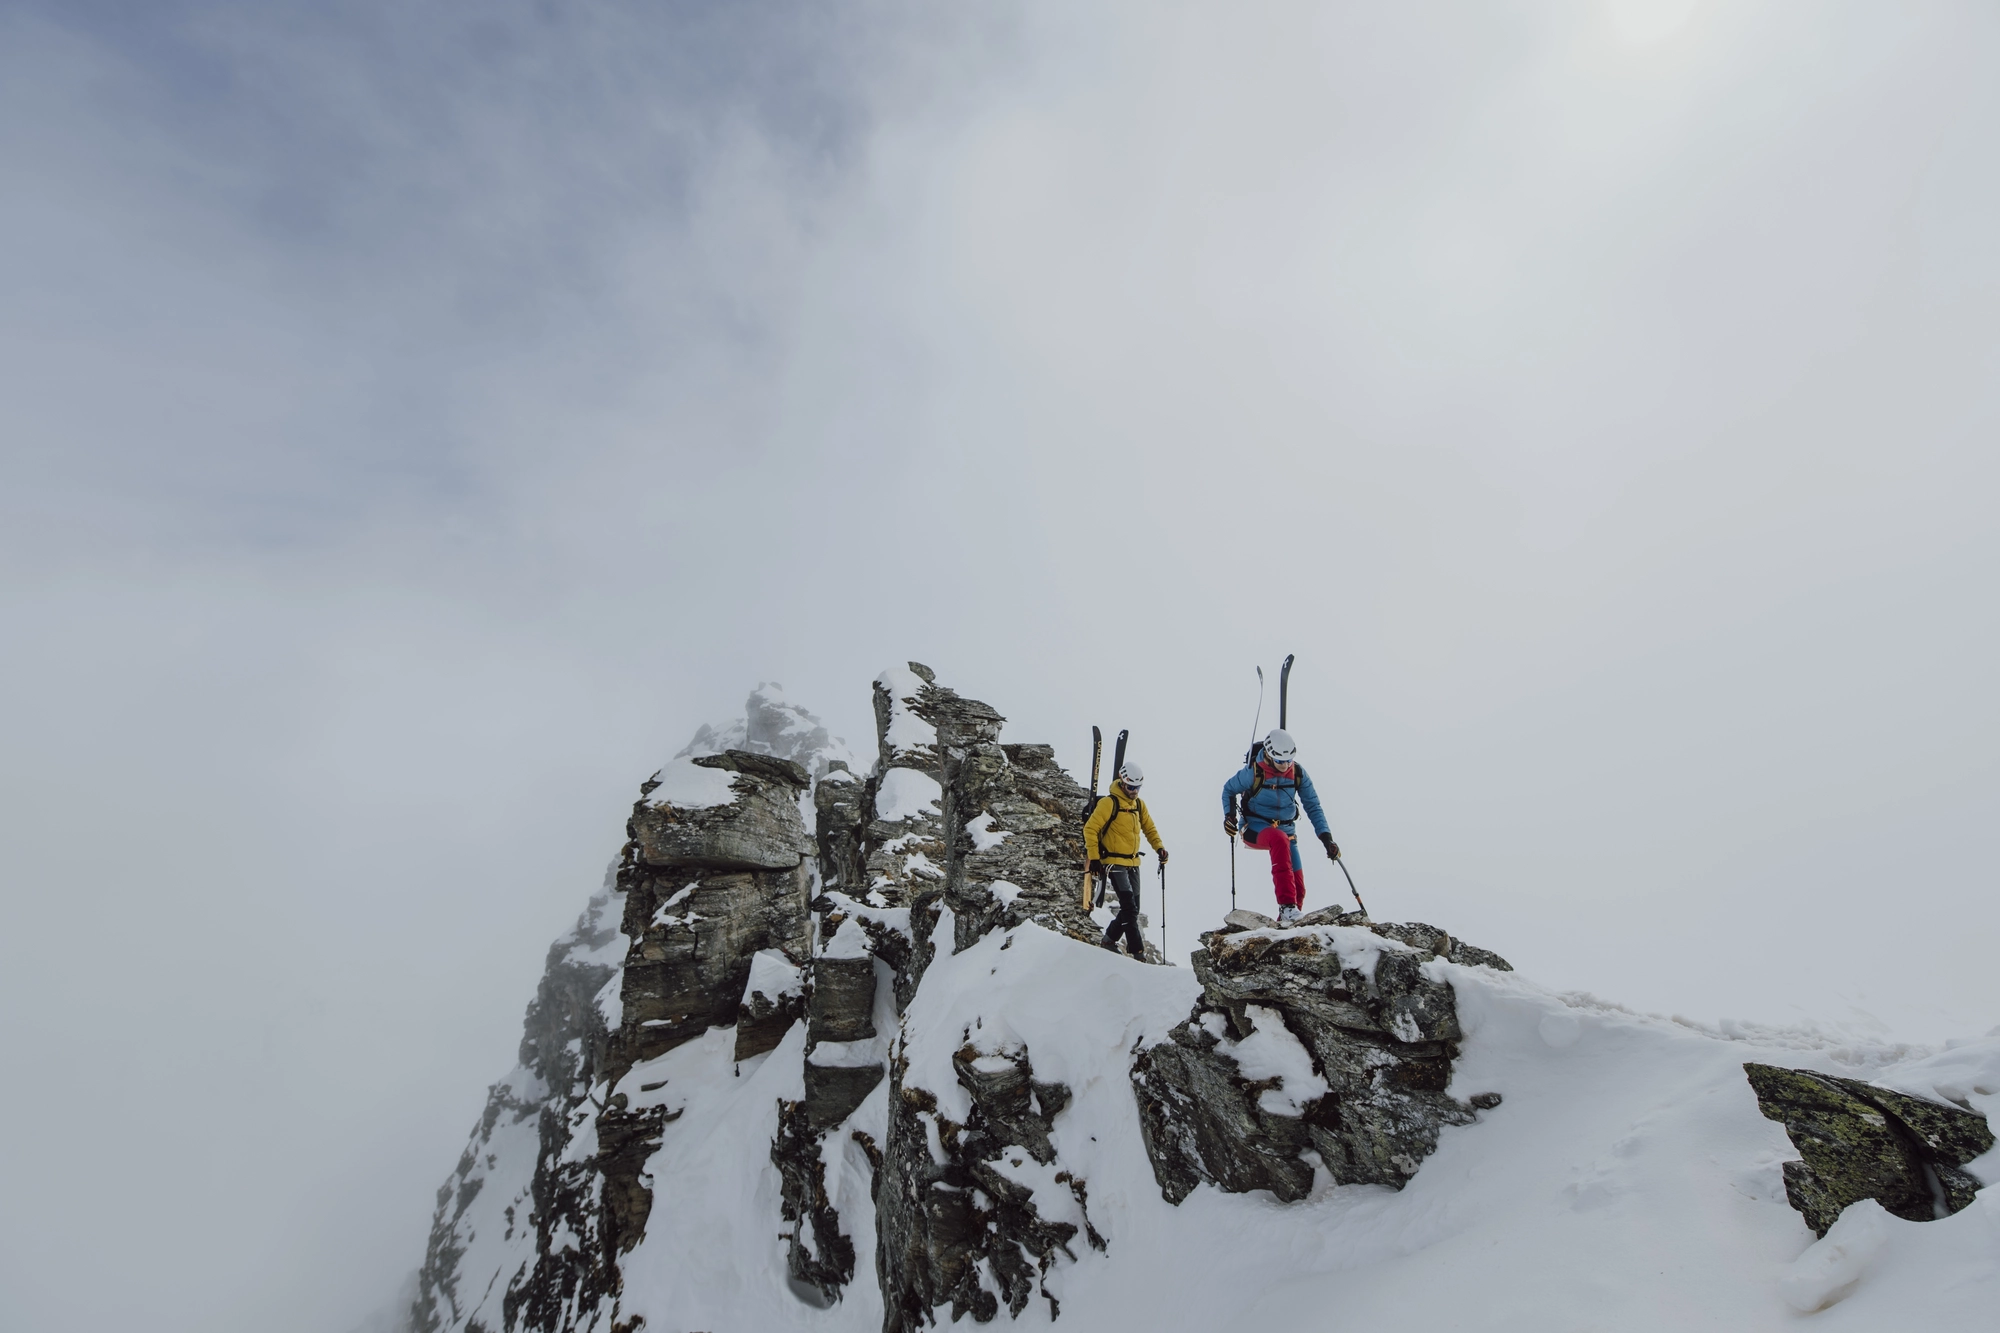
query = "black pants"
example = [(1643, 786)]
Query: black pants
[(1125, 883)]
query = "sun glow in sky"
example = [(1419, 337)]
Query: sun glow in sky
[(1642, 22)]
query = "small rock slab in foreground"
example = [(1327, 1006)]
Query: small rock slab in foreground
[(1858, 1141)]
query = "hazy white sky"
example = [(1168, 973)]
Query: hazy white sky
[(419, 418)]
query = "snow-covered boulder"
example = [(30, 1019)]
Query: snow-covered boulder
[(1332, 1038), (751, 822)]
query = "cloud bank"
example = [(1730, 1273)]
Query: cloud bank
[(420, 419)]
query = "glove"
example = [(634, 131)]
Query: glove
[(1229, 825), (1163, 856), (1332, 847), (1095, 868)]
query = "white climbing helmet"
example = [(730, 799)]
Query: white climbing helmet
[(1132, 776), (1279, 747)]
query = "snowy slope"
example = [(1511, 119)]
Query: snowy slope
[(1627, 1182)]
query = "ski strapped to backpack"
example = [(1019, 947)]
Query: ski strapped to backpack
[(1096, 759), (1096, 891)]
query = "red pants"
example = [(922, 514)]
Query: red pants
[(1288, 877)]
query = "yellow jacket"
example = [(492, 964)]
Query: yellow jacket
[(1111, 834)]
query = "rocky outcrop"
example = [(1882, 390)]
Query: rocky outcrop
[(957, 1220), (901, 845), (848, 1032), (843, 807), (1332, 1040), (704, 924), (1012, 821), (819, 1255), (760, 830), (770, 887), (705, 891), (1857, 1141)]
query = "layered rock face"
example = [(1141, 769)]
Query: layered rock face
[(951, 815), (714, 879), (1330, 1040), (1857, 1141), (706, 890)]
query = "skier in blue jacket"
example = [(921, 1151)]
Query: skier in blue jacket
[(1270, 792)]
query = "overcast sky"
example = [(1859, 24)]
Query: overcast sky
[(418, 418)]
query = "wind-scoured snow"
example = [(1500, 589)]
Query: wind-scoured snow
[(1627, 1182), (774, 976), (984, 836), (1271, 1052), (906, 731), (905, 793)]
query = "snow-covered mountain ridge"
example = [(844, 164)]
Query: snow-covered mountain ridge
[(835, 1049)]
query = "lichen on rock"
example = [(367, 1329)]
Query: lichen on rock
[(1857, 1141)]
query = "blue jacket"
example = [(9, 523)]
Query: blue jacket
[(1277, 800)]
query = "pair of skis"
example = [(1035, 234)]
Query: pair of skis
[(1092, 889), (1284, 706), (1250, 756)]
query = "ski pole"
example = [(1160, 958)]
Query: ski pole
[(1163, 909), (1350, 886)]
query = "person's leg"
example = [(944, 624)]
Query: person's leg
[(1274, 842), (1298, 878), (1125, 882)]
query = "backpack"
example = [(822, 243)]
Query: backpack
[(1257, 783)]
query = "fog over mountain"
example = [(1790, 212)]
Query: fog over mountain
[(422, 419)]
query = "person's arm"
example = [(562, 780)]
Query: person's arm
[(1234, 788), (1310, 799), (1152, 834), (1231, 789), (1093, 827)]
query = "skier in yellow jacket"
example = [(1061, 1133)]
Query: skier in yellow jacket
[(1111, 842)]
